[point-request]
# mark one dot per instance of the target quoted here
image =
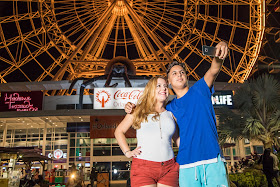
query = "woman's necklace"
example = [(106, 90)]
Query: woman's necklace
[(160, 127)]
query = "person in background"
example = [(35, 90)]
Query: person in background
[(93, 176), (275, 167), (82, 175), (267, 161)]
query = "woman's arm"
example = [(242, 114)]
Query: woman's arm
[(120, 136)]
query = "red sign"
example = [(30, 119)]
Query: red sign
[(105, 126), (115, 98), (21, 101)]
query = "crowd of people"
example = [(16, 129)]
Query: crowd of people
[(243, 163)]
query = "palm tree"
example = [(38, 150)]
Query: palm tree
[(258, 101), (231, 125)]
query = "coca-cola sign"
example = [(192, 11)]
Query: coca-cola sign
[(21, 101), (115, 98)]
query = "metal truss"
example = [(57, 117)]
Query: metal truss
[(69, 39)]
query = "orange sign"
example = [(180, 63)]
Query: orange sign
[(105, 126)]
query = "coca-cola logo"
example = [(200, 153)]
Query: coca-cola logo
[(134, 94), (103, 97), (115, 98)]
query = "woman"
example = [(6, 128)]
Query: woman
[(153, 161)]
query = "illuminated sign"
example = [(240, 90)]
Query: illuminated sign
[(21, 101), (222, 98), (115, 98), (58, 153)]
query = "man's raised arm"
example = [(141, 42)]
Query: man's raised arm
[(217, 62)]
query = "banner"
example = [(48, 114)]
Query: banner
[(105, 126), (115, 98), (21, 101)]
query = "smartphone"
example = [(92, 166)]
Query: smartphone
[(208, 50)]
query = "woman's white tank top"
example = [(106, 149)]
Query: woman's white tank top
[(155, 138)]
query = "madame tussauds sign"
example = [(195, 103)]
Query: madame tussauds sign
[(21, 101), (115, 98)]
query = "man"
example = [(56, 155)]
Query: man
[(199, 151)]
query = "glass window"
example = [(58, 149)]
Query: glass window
[(83, 135), (101, 151), (83, 142), (1, 134), (101, 141), (120, 175), (120, 165), (227, 152), (85, 159), (247, 150), (82, 151), (258, 149), (72, 152), (117, 151), (102, 166), (233, 152), (48, 147), (72, 143)]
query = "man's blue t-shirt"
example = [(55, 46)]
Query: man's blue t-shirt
[(197, 124)]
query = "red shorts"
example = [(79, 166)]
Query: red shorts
[(145, 172)]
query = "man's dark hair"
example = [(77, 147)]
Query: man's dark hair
[(175, 63)]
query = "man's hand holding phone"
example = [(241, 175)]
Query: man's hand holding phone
[(220, 51)]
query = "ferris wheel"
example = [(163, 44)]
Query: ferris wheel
[(68, 39)]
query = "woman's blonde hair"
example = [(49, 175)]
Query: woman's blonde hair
[(146, 103)]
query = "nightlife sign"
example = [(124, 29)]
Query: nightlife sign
[(115, 98), (222, 98), (21, 101)]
